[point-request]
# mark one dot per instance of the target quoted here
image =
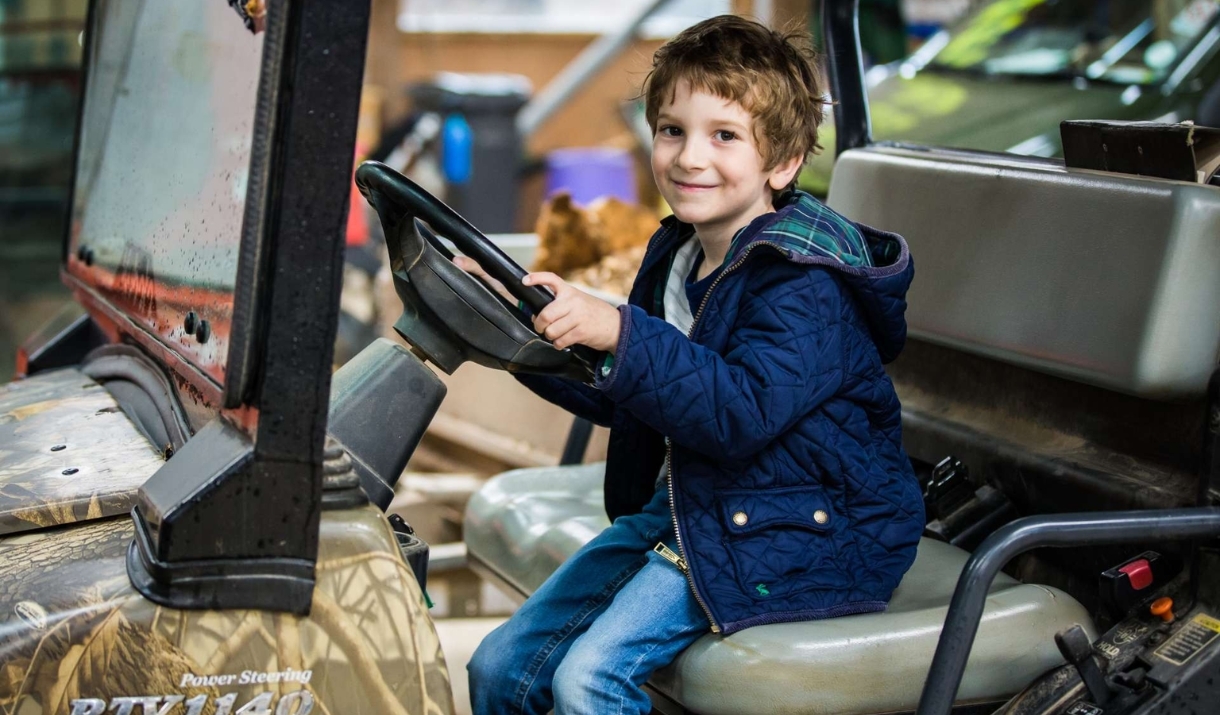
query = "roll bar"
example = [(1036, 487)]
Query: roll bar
[(1091, 529)]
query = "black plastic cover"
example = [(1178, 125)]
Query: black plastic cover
[(273, 584), (381, 402), (1120, 596), (198, 546), (413, 548)]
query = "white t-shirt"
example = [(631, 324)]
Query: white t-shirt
[(677, 305), (677, 309)]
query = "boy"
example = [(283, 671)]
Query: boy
[(746, 369)]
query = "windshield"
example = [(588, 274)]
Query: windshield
[(1124, 41), (162, 167)]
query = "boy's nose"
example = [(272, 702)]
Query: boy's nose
[(692, 156)]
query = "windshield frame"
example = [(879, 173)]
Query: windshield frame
[(281, 152), (117, 322)]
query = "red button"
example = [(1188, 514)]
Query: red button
[(1139, 572)]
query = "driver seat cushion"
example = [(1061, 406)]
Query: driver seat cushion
[(524, 523)]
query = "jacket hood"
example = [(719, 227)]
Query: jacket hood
[(874, 265)]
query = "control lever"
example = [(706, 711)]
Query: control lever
[(1077, 649)]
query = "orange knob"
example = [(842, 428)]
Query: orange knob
[(1163, 608)]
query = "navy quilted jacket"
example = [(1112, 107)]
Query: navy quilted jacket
[(792, 495)]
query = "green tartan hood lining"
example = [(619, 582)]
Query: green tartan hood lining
[(808, 229), (809, 232)]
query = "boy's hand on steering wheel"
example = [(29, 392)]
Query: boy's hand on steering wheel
[(575, 317)]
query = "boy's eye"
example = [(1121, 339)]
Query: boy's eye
[(725, 135), (670, 131)]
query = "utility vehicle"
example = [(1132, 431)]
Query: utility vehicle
[(178, 533), (1003, 77), (191, 505)]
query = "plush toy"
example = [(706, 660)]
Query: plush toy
[(600, 246)]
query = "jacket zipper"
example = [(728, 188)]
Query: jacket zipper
[(682, 562)]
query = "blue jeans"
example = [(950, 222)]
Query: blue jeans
[(595, 631)]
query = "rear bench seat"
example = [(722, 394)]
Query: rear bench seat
[(1101, 278), (523, 524)]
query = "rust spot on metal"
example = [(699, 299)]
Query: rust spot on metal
[(187, 390), (27, 411)]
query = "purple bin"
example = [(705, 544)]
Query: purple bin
[(588, 173)]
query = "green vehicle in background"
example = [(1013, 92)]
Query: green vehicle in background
[(1005, 76)]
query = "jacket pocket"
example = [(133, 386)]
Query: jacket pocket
[(780, 540)]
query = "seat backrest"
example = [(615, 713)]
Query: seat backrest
[(1108, 279)]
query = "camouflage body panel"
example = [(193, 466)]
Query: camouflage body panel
[(67, 453), (76, 638)]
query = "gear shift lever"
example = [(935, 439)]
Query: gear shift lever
[(1077, 649)]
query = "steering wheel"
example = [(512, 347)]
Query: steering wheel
[(449, 316)]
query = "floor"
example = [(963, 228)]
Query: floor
[(459, 638)]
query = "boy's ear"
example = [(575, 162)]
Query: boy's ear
[(784, 172)]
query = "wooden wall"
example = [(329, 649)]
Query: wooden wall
[(590, 118)]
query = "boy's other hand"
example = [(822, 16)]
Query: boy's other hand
[(470, 266), (575, 317)]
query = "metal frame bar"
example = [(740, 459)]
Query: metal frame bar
[(841, 31), (1093, 529), (253, 251), (572, 78), (577, 443), (308, 191), (83, 79)]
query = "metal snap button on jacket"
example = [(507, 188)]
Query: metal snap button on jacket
[(740, 518), (821, 517)]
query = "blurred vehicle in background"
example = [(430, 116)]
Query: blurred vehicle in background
[(1005, 76), (40, 54)]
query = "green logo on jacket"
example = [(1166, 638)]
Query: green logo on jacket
[(762, 589)]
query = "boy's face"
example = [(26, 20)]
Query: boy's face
[(708, 165)]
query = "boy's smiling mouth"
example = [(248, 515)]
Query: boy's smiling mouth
[(683, 186)]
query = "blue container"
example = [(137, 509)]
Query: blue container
[(457, 149), (590, 173)]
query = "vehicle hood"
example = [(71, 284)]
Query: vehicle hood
[(68, 453), (966, 112), (983, 113)]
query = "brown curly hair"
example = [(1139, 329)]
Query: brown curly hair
[(772, 75)]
